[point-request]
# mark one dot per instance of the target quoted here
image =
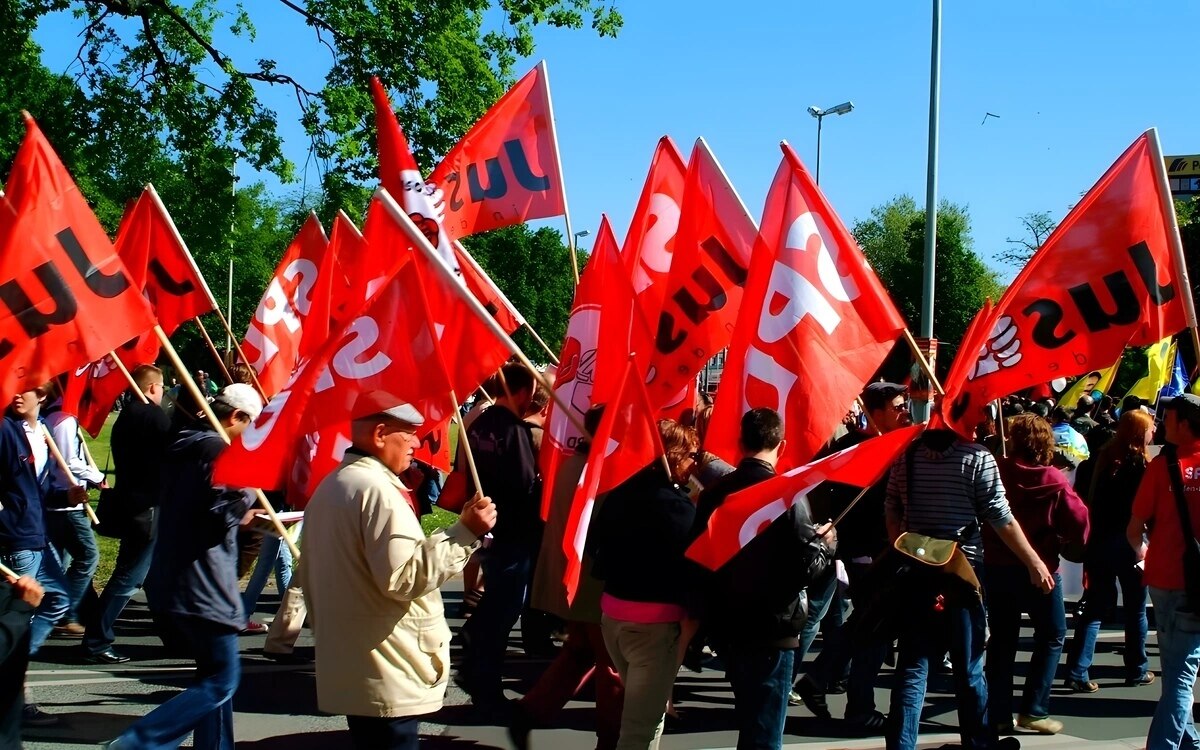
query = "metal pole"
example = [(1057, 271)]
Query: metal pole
[(229, 312), (820, 118), (927, 287)]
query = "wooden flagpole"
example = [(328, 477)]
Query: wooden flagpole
[(1000, 429), (923, 363), (466, 444), (213, 350), (220, 430), (1168, 207), (537, 338), (62, 464), (421, 243), (208, 292), (128, 377), (562, 185)]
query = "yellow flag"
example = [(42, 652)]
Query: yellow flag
[(1160, 358), (1097, 380)]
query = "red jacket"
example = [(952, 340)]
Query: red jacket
[(1049, 511)]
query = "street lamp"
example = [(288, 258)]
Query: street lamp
[(819, 113), (583, 233)]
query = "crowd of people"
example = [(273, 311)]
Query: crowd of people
[(1096, 482)]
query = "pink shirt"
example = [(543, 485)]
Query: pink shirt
[(645, 613)]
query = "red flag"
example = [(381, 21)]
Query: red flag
[(1105, 279), (815, 323), (435, 446), (650, 243), (505, 170), (708, 270), (66, 298), (160, 264), (401, 177), (316, 455), (596, 346), (358, 274), (91, 389), (626, 441), (746, 514), (274, 336), (469, 348), (388, 348)]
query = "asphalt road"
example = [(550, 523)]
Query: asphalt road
[(275, 708)]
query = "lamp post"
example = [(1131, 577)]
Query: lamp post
[(819, 113), (582, 233)]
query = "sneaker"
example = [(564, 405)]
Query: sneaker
[(794, 698), (254, 628), (1146, 679), (32, 715), (68, 630), (1080, 686), (1044, 725)]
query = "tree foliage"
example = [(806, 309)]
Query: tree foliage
[(893, 239), (1037, 227)]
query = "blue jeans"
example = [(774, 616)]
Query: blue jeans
[(761, 678), (506, 569), (862, 660), (821, 599), (273, 555), (1009, 593), (43, 566), (70, 533), (205, 707), (129, 572), (1104, 571), (381, 733), (963, 631), (1179, 653)]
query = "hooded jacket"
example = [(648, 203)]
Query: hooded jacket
[(194, 572), (1049, 511)]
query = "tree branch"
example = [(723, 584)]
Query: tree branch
[(319, 23)]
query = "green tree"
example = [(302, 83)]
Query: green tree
[(1037, 227), (893, 239)]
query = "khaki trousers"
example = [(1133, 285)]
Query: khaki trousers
[(645, 657)]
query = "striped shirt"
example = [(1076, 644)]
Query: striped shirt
[(952, 489)]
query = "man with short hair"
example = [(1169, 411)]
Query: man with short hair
[(945, 487), (372, 581), (757, 600), (139, 441), (502, 445), (1176, 618), (193, 583)]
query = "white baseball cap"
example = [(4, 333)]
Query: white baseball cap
[(241, 397)]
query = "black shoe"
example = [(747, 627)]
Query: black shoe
[(291, 658), (836, 688), (519, 726), (107, 656), (813, 699), (33, 716)]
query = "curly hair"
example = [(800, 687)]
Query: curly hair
[(1031, 439), (678, 441)]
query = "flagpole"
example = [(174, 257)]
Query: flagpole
[(62, 464), (923, 363), (230, 338), (741, 203), (1168, 206), (1000, 429), (213, 350), (466, 444), (220, 430), (87, 453), (128, 377), (562, 185), (462, 251), (439, 263)]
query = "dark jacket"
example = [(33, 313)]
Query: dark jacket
[(638, 537), (758, 597), (23, 493), (140, 438), (508, 470), (15, 615), (1049, 511), (194, 572), (863, 532)]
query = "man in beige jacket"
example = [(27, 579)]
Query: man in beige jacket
[(372, 582)]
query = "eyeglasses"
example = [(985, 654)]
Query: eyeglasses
[(696, 456)]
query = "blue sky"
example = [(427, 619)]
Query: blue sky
[(1072, 83)]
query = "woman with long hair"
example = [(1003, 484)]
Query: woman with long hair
[(637, 544), (1051, 515), (1120, 465)]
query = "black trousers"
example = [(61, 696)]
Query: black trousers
[(379, 733)]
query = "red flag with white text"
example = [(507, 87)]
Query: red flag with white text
[(69, 299), (746, 514), (815, 323), (505, 170), (626, 441), (275, 334), (1105, 279), (704, 289)]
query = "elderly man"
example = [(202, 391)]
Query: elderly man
[(372, 582)]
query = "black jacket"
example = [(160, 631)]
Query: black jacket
[(194, 572), (508, 470), (140, 437), (638, 538), (758, 598), (14, 660)]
